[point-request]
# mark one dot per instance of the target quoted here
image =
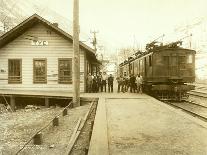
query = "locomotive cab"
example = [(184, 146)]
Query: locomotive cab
[(172, 69)]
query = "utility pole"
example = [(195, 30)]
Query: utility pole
[(94, 40), (76, 55)]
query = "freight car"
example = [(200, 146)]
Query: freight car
[(166, 70)]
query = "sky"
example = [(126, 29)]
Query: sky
[(122, 23), (129, 23), (133, 23)]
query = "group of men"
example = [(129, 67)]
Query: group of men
[(135, 83), (97, 82)]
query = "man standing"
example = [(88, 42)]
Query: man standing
[(99, 82), (125, 82), (139, 81), (132, 83), (94, 84), (120, 83), (110, 83), (104, 78)]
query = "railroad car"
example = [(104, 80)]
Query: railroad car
[(166, 70)]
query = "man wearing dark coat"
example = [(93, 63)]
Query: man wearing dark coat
[(132, 81), (110, 83)]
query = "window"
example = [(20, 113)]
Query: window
[(39, 71), (166, 61), (182, 62), (190, 59), (65, 71), (14, 71), (140, 67), (174, 61)]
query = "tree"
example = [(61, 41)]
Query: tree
[(124, 53)]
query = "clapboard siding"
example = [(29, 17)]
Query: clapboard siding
[(21, 48)]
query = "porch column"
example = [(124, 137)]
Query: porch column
[(12, 103), (47, 104)]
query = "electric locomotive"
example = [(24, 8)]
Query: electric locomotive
[(167, 70)]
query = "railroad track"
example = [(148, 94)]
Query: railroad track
[(191, 108), (198, 93)]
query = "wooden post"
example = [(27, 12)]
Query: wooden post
[(65, 112), (55, 121), (47, 103), (76, 55), (37, 139), (12, 103)]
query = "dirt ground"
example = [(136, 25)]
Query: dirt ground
[(17, 128)]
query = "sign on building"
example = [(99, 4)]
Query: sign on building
[(39, 43)]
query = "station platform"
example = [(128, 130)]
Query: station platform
[(131, 124)]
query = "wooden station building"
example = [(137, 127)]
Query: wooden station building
[(36, 58)]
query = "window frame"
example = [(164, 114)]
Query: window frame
[(34, 80), (59, 78), (9, 80)]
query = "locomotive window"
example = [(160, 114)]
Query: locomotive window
[(182, 60), (173, 61), (150, 60), (166, 61), (140, 64), (130, 67), (190, 59)]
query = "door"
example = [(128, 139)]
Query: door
[(173, 66), (182, 65)]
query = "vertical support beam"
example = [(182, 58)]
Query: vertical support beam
[(76, 55), (85, 72), (12, 103), (47, 103)]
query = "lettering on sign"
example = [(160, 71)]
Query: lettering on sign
[(39, 43)]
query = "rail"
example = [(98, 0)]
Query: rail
[(57, 115), (204, 118), (198, 93), (190, 102)]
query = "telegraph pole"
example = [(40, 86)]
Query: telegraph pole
[(94, 40), (76, 55)]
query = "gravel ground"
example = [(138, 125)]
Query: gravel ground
[(17, 128)]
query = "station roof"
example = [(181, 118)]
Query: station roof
[(30, 22)]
